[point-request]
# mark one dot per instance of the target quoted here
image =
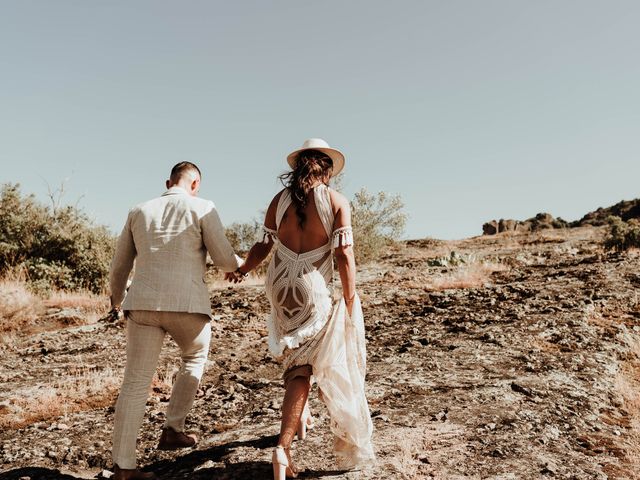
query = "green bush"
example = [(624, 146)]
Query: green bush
[(378, 220), (56, 249), (242, 236), (622, 235)]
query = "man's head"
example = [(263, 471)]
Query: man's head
[(186, 175)]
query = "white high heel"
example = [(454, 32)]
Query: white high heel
[(281, 464), (305, 425)]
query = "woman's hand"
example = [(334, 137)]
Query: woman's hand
[(230, 277), (349, 302), (236, 277)]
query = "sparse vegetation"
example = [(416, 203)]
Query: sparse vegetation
[(83, 389), (22, 311), (19, 307), (378, 220), (55, 248), (471, 275), (460, 272), (243, 235), (622, 235)]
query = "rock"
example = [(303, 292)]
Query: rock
[(441, 416), (521, 389), (490, 228), (506, 225)]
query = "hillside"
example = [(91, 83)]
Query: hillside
[(625, 209), (516, 357)]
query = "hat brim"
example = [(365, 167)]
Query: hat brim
[(336, 157)]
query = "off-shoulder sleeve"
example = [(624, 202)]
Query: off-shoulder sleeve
[(342, 236), (267, 233)]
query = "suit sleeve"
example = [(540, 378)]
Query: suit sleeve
[(216, 241), (122, 263)]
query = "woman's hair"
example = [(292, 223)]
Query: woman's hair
[(311, 166)]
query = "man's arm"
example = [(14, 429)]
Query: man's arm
[(216, 241), (122, 264)]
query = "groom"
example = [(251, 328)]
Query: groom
[(168, 237)]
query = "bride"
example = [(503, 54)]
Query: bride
[(314, 336)]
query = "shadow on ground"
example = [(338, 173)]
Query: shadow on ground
[(192, 466)]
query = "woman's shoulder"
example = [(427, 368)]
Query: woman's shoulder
[(276, 198), (338, 200)]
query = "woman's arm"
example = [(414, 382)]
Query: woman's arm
[(345, 257), (260, 250), (256, 255), (347, 269)]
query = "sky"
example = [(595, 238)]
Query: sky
[(469, 110)]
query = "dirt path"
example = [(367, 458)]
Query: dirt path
[(528, 373)]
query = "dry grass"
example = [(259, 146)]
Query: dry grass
[(84, 301), (19, 307), (164, 378), (409, 446), (473, 275), (415, 452), (24, 312), (626, 417), (83, 390)]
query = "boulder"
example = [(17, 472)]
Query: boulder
[(508, 225), (490, 228)]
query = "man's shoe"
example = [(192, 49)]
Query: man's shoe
[(172, 440), (132, 474)]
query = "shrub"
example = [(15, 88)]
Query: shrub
[(378, 220), (59, 248), (242, 236), (622, 235)]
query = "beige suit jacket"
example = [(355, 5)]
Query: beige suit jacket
[(168, 237)]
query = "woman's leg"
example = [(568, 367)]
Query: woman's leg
[(295, 398)]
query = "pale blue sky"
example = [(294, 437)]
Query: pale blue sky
[(470, 110)]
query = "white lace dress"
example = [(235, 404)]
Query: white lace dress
[(307, 328)]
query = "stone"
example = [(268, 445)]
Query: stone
[(490, 228)]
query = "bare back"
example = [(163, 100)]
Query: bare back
[(301, 240)]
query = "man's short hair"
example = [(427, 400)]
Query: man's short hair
[(181, 169)]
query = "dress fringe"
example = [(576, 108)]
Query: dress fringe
[(342, 236)]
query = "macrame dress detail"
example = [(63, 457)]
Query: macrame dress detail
[(306, 328)]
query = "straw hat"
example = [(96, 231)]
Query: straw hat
[(322, 146)]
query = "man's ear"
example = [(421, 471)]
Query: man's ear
[(194, 186)]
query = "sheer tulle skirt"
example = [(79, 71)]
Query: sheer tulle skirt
[(339, 368)]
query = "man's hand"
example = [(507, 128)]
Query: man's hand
[(235, 277), (114, 314)]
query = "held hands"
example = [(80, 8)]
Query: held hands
[(232, 277), (114, 315), (236, 277)]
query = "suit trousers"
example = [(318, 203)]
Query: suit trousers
[(145, 335)]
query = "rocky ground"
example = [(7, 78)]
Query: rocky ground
[(528, 372)]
